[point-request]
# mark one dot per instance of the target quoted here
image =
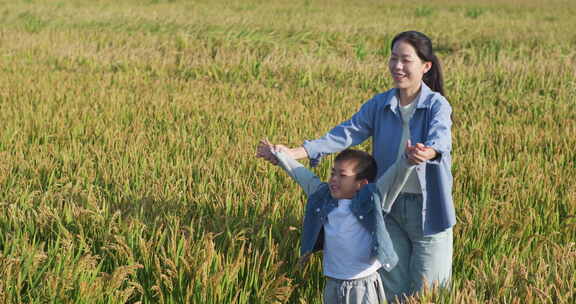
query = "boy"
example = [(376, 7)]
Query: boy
[(344, 217)]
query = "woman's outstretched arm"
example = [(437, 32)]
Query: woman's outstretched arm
[(349, 133)]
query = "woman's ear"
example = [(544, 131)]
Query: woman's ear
[(427, 66)]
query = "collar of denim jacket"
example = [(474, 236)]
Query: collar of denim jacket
[(421, 100)]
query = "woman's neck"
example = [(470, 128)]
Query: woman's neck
[(408, 95)]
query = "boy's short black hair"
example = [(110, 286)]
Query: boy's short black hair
[(366, 166)]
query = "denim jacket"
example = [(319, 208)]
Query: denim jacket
[(369, 206), (380, 119)]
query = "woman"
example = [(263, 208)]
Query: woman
[(420, 220)]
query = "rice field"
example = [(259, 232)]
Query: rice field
[(128, 133)]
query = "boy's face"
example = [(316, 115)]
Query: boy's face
[(343, 183)]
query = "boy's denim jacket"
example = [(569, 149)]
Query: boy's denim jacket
[(370, 205)]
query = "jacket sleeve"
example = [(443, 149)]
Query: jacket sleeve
[(392, 181), (349, 133), (439, 135), (304, 177)]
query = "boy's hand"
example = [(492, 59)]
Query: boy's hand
[(265, 149)]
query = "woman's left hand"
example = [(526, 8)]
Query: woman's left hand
[(420, 153)]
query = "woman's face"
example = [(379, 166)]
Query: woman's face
[(406, 68)]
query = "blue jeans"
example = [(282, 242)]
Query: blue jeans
[(425, 260)]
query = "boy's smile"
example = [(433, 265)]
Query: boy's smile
[(343, 183)]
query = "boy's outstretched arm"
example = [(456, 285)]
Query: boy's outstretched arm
[(304, 177), (393, 180)]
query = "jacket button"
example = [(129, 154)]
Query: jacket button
[(361, 217), (387, 265), (317, 209)]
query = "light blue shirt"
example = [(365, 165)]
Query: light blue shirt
[(380, 119)]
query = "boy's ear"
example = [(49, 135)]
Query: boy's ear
[(363, 182)]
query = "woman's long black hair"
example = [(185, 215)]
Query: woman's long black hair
[(423, 46)]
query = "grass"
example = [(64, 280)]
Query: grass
[(128, 135)]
